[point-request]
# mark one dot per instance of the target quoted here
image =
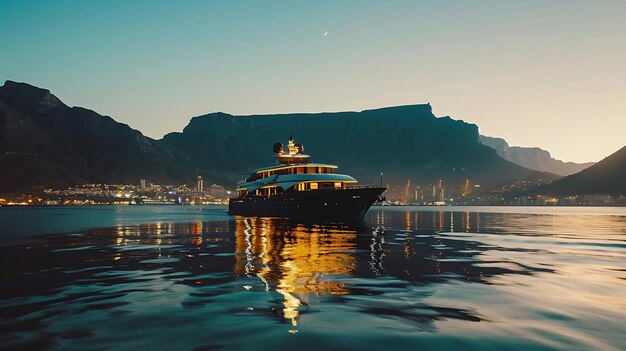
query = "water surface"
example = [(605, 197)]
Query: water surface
[(182, 277)]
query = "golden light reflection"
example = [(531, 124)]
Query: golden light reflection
[(121, 233), (466, 221), (452, 222), (295, 260), (442, 221), (407, 220), (196, 231)]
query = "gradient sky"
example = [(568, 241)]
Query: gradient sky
[(550, 74)]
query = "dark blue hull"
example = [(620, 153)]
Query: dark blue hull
[(322, 204)]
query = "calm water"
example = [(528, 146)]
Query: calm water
[(181, 277)]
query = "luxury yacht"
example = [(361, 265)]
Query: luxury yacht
[(295, 187)]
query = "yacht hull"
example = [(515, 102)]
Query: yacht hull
[(326, 204)]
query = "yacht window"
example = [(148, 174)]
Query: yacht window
[(269, 191)]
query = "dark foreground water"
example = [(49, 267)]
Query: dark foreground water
[(193, 278)]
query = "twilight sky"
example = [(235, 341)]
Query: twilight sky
[(550, 73)]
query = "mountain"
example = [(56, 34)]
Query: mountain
[(43, 142), (404, 142), (533, 157), (607, 177)]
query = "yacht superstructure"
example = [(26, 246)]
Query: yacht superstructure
[(296, 187)]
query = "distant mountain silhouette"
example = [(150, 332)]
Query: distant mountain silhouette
[(404, 142), (607, 177), (533, 157), (43, 142)]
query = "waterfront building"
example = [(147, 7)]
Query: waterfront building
[(200, 185)]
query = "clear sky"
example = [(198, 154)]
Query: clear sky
[(543, 73)]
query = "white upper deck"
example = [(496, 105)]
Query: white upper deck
[(293, 167)]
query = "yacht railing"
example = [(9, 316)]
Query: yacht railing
[(362, 186)]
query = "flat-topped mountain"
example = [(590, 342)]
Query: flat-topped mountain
[(607, 177), (404, 142), (533, 157)]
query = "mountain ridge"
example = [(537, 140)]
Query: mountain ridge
[(47, 143), (533, 157)]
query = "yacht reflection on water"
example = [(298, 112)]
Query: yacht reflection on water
[(306, 261), (293, 259)]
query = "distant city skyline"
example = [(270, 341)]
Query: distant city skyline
[(544, 74)]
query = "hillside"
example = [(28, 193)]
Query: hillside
[(607, 177), (44, 142)]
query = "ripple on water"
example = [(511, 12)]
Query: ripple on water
[(506, 281)]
